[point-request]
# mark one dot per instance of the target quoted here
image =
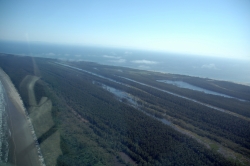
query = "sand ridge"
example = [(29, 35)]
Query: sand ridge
[(25, 148)]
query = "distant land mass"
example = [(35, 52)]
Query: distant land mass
[(234, 70), (87, 113)]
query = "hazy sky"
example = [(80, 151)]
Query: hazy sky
[(213, 27)]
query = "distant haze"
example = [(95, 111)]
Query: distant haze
[(201, 27), (230, 69)]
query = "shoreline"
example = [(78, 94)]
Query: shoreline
[(22, 147), (158, 71)]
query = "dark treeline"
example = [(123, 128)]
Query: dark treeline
[(231, 89), (212, 121), (224, 87), (113, 126), (104, 103), (230, 104)]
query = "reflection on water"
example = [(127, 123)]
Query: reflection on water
[(121, 95), (132, 101), (165, 91), (182, 84), (174, 94)]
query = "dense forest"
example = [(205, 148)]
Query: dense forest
[(95, 128)]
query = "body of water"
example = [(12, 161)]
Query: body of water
[(165, 91), (132, 101), (234, 70), (4, 130), (182, 84)]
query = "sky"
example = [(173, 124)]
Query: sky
[(200, 27)]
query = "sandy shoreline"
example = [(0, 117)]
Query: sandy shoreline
[(22, 146)]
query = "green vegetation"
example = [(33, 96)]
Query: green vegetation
[(97, 129)]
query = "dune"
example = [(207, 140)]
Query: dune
[(24, 149)]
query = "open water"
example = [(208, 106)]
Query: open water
[(4, 130), (234, 70)]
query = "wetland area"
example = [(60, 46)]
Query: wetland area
[(99, 114)]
